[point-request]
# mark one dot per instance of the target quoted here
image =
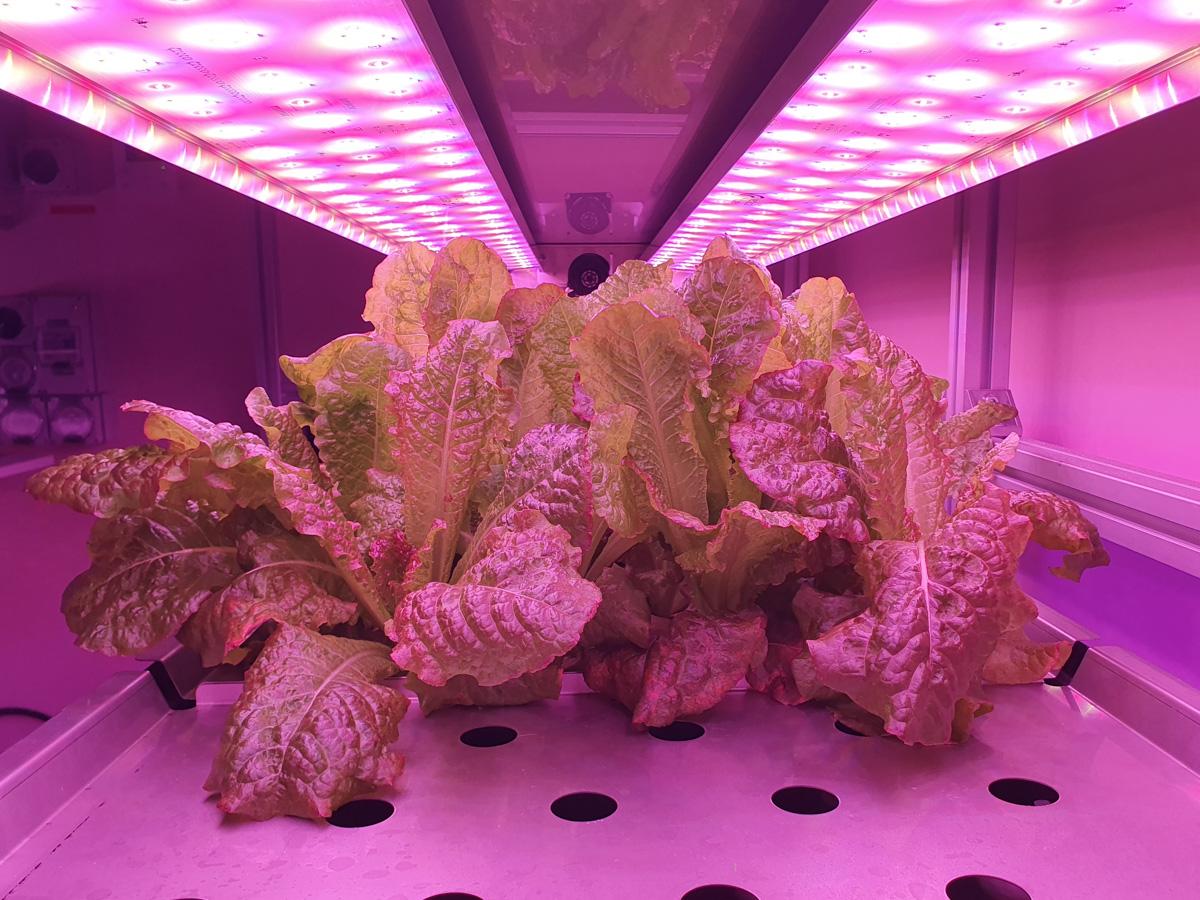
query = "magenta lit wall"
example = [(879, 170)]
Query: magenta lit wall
[(900, 273), (1106, 309)]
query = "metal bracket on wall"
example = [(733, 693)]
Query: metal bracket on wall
[(981, 289)]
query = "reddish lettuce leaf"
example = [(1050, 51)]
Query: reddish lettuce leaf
[(1059, 525), (312, 729), (151, 570), (915, 656), (110, 482), (520, 606), (783, 441), (284, 578), (463, 690)]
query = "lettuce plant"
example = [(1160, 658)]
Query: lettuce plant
[(667, 490)]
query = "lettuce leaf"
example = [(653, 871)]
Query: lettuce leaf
[(463, 690), (549, 471), (740, 317), (630, 357), (151, 570), (783, 442), (1059, 525), (466, 281), (354, 417), (450, 419), (311, 730), (513, 612), (284, 578), (686, 671), (229, 468), (285, 433), (398, 296), (623, 616), (915, 656), (109, 483)]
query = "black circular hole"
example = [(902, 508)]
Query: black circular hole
[(985, 887), (361, 813), (805, 801), (1023, 792), (584, 806), (40, 166), (454, 895), (677, 731), (846, 729), (718, 892), (488, 736)]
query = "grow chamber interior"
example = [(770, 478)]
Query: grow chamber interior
[(1009, 190)]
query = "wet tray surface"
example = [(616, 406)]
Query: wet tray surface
[(1109, 816)]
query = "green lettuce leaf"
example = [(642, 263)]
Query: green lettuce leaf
[(354, 416), (513, 612), (305, 371), (630, 357), (283, 426), (398, 296), (229, 468), (466, 281), (450, 420), (312, 729), (740, 316)]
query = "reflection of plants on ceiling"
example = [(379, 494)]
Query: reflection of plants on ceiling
[(583, 46)]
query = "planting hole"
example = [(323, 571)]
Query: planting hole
[(584, 806), (805, 801), (846, 729), (454, 895), (488, 736), (1023, 792), (361, 813), (678, 731), (985, 887), (718, 892)]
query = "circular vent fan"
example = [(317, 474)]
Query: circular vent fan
[(587, 272)]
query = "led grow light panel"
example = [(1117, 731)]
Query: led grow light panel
[(329, 109), (925, 98)]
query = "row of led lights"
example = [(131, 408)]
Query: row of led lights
[(771, 157), (729, 200)]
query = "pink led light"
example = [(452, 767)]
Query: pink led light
[(925, 99), (291, 103)]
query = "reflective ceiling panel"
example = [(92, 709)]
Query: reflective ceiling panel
[(603, 113)]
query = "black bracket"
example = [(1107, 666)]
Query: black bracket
[(166, 686), (1067, 673)]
